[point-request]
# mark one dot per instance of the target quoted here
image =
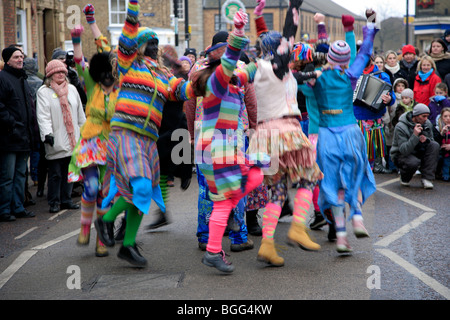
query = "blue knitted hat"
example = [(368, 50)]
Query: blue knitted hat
[(270, 42)]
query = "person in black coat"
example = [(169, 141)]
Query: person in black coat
[(16, 134), (409, 64)]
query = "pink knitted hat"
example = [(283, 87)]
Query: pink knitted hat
[(55, 66)]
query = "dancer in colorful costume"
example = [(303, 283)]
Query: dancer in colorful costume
[(341, 151), (280, 134), (88, 161), (229, 172), (133, 162)]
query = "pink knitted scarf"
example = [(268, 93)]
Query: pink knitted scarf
[(62, 90)]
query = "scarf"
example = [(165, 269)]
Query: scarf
[(424, 76), (62, 90), (393, 70), (440, 56), (409, 65)]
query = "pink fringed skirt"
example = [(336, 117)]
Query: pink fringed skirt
[(290, 151)]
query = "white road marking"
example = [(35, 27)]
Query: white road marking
[(25, 233), (433, 284), (57, 215), (16, 265), (406, 200), (405, 229)]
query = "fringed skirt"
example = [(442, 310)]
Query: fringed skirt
[(130, 155), (290, 151)]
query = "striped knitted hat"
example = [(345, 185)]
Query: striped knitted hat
[(339, 53), (145, 34)]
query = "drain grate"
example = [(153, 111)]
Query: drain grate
[(135, 282)]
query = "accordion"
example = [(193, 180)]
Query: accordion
[(369, 90)]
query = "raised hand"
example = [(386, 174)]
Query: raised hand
[(259, 8), (318, 18), (347, 22), (240, 20), (89, 11), (76, 33), (371, 15)]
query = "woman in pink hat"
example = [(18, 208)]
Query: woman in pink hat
[(60, 115)]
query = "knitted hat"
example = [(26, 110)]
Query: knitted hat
[(408, 93), (339, 53), (190, 51), (8, 52), (144, 35), (219, 40), (184, 58), (270, 42), (408, 49), (447, 33), (55, 66), (419, 109), (58, 53)]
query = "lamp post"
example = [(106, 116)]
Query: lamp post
[(407, 23)]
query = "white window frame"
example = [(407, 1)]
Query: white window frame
[(111, 13), (21, 26)]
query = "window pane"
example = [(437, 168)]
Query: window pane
[(114, 6), (122, 5)]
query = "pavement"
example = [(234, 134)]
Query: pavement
[(405, 258)]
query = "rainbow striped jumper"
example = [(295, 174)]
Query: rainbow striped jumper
[(221, 143), (144, 87)]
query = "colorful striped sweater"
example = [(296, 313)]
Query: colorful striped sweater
[(221, 143), (144, 86)]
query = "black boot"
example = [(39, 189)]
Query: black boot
[(286, 210), (252, 223), (232, 224), (161, 220), (319, 221), (105, 231), (132, 255), (120, 233)]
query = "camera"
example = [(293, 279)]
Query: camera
[(70, 62)]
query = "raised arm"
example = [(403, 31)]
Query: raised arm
[(292, 19), (128, 47), (365, 51), (237, 40), (100, 40), (347, 22)]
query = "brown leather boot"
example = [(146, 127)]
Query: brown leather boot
[(268, 254)]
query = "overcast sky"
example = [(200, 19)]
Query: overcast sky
[(387, 8)]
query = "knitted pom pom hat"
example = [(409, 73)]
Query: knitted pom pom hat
[(144, 35), (339, 53), (55, 66)]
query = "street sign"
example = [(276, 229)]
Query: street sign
[(229, 9)]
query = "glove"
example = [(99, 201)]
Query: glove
[(259, 8), (89, 11), (371, 15), (76, 32), (50, 140), (240, 20), (347, 22)]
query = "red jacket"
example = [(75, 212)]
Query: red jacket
[(424, 90)]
